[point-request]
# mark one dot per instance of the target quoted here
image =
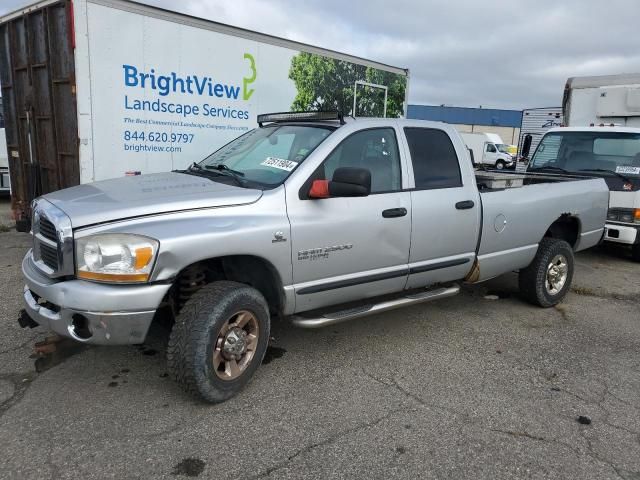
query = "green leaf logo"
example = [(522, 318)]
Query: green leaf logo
[(246, 81)]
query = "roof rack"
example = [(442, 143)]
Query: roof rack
[(300, 117)]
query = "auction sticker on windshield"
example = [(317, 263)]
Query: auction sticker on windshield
[(631, 170), (279, 163)]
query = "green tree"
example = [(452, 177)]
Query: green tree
[(324, 83)]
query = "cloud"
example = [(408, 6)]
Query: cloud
[(495, 53)]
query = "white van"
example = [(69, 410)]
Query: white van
[(485, 150)]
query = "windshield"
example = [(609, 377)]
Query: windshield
[(266, 156), (502, 147), (589, 151)]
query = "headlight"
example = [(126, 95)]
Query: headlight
[(115, 257)]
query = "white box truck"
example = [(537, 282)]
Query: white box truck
[(488, 149), (602, 138), (602, 100), (97, 89)]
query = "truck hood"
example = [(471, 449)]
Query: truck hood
[(141, 195)]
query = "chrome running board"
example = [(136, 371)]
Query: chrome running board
[(352, 313)]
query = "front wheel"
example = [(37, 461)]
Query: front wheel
[(635, 253), (546, 281), (219, 340), (500, 165)]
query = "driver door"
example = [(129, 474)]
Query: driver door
[(351, 248)]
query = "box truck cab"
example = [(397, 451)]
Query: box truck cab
[(604, 113), (612, 153), (484, 149)]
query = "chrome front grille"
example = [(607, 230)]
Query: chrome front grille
[(52, 240), (47, 229), (49, 256)]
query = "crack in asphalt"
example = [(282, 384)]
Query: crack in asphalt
[(21, 383), (517, 434), (590, 451), (21, 346), (327, 441), (587, 292), (393, 383)]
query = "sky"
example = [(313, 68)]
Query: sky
[(495, 53)]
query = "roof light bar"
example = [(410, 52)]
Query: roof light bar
[(300, 117)]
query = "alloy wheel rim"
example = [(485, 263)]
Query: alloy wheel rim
[(236, 345), (557, 272)]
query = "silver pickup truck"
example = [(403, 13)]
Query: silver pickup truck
[(307, 218)]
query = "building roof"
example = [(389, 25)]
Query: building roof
[(467, 116)]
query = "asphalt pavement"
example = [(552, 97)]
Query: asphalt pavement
[(466, 387)]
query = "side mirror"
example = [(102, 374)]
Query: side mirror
[(346, 182)]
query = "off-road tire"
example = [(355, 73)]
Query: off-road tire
[(532, 279), (195, 332), (635, 253)]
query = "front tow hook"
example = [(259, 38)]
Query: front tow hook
[(25, 320)]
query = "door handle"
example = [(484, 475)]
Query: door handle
[(394, 212), (465, 205)]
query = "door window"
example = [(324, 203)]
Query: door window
[(491, 148), (434, 159), (376, 150)]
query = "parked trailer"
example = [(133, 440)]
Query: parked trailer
[(97, 89), (535, 123)]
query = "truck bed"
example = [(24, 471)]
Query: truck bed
[(493, 180), (515, 219)]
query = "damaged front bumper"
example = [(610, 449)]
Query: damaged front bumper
[(90, 312)]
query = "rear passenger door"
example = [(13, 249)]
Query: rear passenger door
[(445, 208)]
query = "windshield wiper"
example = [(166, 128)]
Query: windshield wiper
[(550, 167), (194, 166), (199, 170), (604, 170), (222, 166), (223, 169)]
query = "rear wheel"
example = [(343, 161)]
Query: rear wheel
[(219, 340), (500, 165), (547, 279)]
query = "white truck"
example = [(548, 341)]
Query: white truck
[(487, 149), (100, 89), (602, 138)]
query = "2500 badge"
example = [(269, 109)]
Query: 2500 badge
[(322, 252)]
